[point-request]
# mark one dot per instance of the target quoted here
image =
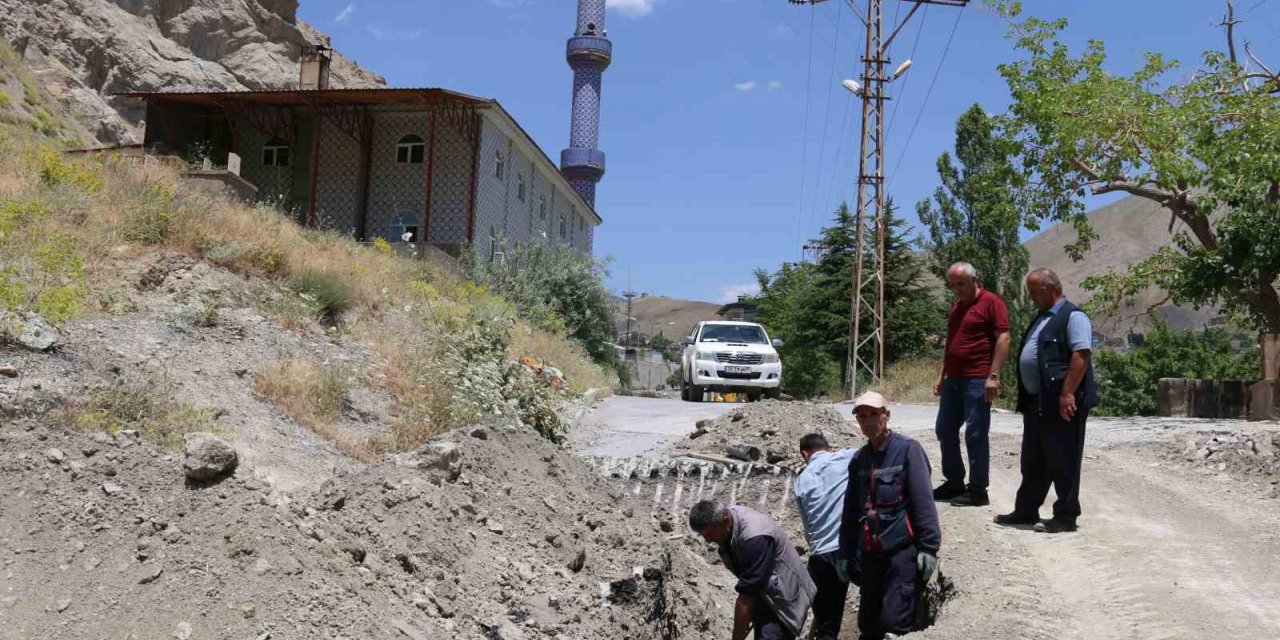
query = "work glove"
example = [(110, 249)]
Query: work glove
[(926, 564), (846, 573)]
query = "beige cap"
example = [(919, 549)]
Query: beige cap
[(870, 399)]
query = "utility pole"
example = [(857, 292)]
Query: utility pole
[(868, 273), (629, 343)]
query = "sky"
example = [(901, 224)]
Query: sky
[(729, 140)]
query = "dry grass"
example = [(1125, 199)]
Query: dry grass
[(105, 212), (147, 406), (548, 349), (911, 381), (314, 396)]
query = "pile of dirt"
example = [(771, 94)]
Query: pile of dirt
[(774, 429), (492, 533), (1246, 454)]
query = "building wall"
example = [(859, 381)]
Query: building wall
[(514, 221), (338, 187), (451, 188), (395, 189), (274, 183)]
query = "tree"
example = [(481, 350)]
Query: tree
[(1207, 149), (973, 216), (807, 305), (1132, 379), (558, 289)]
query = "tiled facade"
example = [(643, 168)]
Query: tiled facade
[(465, 179)]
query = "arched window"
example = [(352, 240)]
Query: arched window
[(520, 187), (499, 165), (404, 227), (561, 225), (410, 150), (542, 207), (493, 244), (275, 153)]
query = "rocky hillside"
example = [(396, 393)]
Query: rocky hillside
[(83, 51)]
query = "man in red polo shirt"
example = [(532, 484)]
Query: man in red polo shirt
[(977, 346)]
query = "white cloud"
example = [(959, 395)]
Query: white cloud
[(731, 292), (774, 85), (345, 16), (749, 85), (635, 8)]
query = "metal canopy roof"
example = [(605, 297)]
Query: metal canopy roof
[(302, 98)]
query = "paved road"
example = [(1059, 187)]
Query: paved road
[(630, 426)]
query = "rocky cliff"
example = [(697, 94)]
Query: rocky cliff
[(84, 51)]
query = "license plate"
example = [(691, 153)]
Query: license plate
[(732, 369)]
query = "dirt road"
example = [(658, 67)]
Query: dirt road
[(1165, 550)]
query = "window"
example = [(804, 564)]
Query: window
[(542, 207), (520, 187), (499, 164), (410, 150), (404, 227), (493, 244), (275, 153), (562, 225)]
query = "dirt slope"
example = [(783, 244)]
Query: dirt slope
[(493, 533), (1129, 230), (657, 313)]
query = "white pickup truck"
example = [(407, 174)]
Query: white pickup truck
[(725, 356)]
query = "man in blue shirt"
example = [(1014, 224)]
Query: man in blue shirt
[(820, 499), (1056, 390)]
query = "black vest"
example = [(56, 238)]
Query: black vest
[(1053, 359)]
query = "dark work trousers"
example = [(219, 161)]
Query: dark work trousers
[(767, 625), (964, 403), (888, 603), (828, 603), (1052, 450)]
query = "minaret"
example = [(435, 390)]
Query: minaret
[(589, 54)]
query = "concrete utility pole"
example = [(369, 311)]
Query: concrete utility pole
[(868, 279)]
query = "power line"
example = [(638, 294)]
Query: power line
[(932, 83), (826, 120), (906, 81), (804, 147)]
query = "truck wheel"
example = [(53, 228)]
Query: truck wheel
[(774, 393), (696, 393)]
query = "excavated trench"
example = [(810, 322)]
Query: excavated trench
[(672, 485)]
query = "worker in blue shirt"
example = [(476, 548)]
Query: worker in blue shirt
[(820, 499)]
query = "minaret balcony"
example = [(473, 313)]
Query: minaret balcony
[(576, 162), (589, 51)]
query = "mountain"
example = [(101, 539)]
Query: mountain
[(1129, 230), (82, 51), (672, 317)]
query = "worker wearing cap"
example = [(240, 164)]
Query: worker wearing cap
[(890, 524)]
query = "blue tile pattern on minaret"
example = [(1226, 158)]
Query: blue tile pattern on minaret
[(589, 53)]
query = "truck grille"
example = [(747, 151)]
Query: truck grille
[(739, 358), (739, 376)]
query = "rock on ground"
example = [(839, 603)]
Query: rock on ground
[(208, 457)]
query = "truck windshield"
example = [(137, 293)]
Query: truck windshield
[(743, 333)]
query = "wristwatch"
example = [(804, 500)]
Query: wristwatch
[(994, 376)]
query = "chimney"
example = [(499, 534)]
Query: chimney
[(314, 72)]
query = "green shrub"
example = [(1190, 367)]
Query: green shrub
[(1128, 381), (150, 219), (328, 294), (557, 289)]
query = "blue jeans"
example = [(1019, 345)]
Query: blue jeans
[(964, 402)]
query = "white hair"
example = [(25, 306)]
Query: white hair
[(964, 268)]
